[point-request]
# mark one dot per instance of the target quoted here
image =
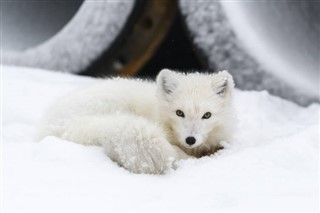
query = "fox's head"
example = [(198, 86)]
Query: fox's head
[(192, 106)]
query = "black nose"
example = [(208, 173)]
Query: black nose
[(190, 140)]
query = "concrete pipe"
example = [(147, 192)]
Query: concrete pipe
[(272, 45), (60, 35), (97, 38)]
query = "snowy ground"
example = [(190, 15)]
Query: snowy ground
[(271, 165)]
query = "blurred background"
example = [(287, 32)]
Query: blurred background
[(266, 45)]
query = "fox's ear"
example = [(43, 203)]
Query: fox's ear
[(223, 83), (167, 81)]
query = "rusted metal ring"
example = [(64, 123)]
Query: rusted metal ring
[(144, 31)]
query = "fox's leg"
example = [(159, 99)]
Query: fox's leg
[(133, 142)]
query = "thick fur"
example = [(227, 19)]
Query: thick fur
[(136, 121)]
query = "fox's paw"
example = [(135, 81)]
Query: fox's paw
[(154, 156)]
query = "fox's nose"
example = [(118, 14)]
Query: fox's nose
[(190, 140)]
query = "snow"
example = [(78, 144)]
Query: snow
[(272, 164)]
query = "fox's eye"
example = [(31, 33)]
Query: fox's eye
[(180, 113), (206, 115)]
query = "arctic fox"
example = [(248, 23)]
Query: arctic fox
[(147, 126)]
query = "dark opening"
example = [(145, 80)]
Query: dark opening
[(176, 52)]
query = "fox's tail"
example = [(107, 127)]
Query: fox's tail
[(134, 142)]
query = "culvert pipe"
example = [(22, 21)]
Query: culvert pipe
[(266, 45), (91, 37)]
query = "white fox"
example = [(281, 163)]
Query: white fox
[(145, 126)]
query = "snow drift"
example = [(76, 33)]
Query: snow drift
[(272, 164)]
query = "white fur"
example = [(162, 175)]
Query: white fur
[(136, 121)]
